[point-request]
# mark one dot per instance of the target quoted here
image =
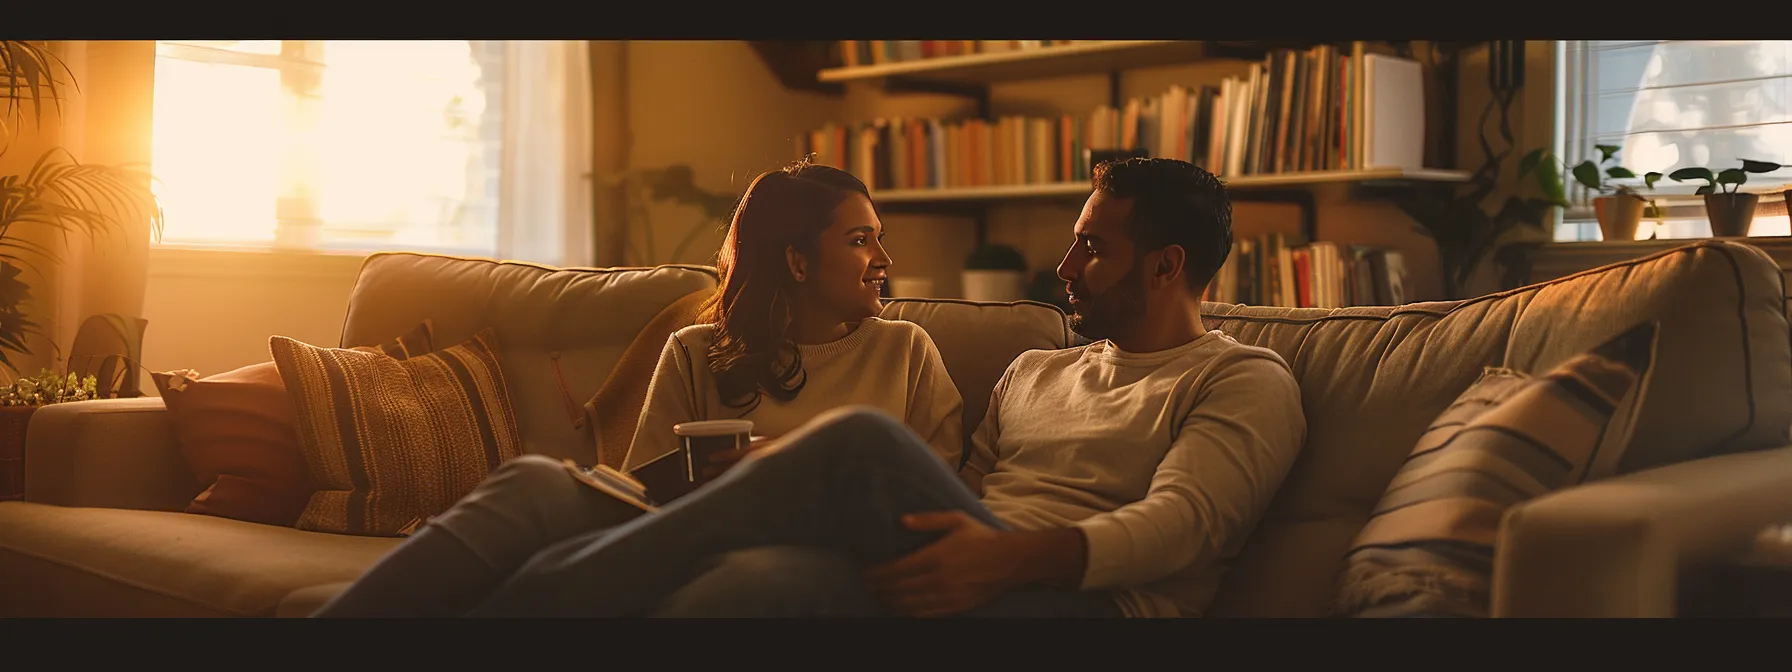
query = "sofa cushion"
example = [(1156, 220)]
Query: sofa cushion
[(1428, 547), (1373, 378), (560, 331), (59, 561), (391, 442), (977, 340), (238, 433)]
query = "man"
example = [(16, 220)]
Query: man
[(1113, 479)]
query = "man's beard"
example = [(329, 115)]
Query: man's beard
[(1114, 311)]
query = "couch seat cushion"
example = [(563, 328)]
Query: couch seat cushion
[(57, 561)]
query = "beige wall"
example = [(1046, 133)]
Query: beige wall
[(213, 311)]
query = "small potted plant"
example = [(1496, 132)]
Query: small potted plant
[(995, 273), (1729, 210), (18, 401), (1619, 207)]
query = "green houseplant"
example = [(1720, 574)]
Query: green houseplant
[(58, 192), (676, 184), (1730, 211), (1619, 207)]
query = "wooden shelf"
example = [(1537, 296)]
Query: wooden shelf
[(1071, 59), (1067, 189)]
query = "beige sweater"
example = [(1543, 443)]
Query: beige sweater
[(1165, 460), (888, 364)]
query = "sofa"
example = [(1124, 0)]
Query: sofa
[(100, 533)]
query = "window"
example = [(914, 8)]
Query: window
[(351, 145), (1674, 104)]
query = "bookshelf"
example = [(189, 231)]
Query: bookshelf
[(1261, 188), (1320, 139), (1055, 61)]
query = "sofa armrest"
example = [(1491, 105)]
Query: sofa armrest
[(1614, 548), (113, 453)]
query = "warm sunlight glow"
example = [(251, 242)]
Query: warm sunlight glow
[(398, 141), (393, 147), (216, 153)]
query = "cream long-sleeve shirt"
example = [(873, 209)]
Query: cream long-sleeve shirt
[(1165, 460), (891, 365)]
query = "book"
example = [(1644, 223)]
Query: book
[(614, 483)]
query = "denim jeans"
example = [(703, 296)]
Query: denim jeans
[(832, 497)]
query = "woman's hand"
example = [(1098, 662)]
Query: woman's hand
[(721, 460)]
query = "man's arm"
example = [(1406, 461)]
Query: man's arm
[(1233, 450)]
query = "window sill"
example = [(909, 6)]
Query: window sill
[(207, 261)]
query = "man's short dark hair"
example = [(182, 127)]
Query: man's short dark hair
[(1173, 203)]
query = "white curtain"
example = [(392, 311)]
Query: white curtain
[(545, 190)]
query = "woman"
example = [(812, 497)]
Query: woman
[(792, 333)]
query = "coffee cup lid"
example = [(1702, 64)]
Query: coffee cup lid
[(713, 427)]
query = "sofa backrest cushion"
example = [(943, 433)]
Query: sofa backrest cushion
[(559, 331), (1373, 378), (979, 339)]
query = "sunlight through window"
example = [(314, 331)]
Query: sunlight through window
[(340, 145)]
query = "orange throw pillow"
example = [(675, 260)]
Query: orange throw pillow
[(240, 436)]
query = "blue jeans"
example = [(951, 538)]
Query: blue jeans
[(832, 497)]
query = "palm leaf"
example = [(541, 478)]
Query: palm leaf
[(64, 194), (27, 74), (61, 193)]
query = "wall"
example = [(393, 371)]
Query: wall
[(213, 310)]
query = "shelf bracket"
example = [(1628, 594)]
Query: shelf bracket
[(1309, 212), (980, 94)]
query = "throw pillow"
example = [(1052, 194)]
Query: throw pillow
[(240, 438), (390, 442), (1427, 549)]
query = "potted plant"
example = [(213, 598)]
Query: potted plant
[(1729, 210), (995, 272), (18, 401), (1619, 207), (58, 192)]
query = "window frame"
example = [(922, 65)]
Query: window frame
[(1576, 91), (298, 223)]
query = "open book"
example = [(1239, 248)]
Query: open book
[(612, 482)]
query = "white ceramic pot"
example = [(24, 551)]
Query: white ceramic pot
[(995, 285)]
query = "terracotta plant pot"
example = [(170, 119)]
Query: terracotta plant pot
[(1619, 216), (13, 421), (1730, 214)]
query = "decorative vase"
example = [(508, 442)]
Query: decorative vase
[(995, 285), (1619, 216), (1730, 214)]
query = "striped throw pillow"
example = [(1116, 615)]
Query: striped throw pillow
[(1427, 549), (391, 441)]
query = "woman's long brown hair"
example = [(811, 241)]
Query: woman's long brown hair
[(752, 353)]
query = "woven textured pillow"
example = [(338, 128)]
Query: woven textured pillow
[(390, 442), (240, 438), (1427, 549)]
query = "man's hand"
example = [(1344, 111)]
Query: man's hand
[(971, 564), (974, 563)]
